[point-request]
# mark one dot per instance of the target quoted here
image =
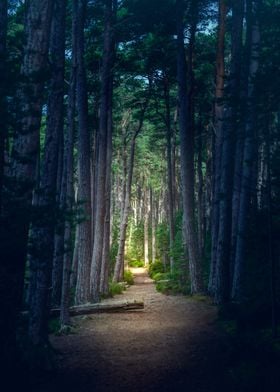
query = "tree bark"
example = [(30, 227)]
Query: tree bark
[(104, 278), (152, 197), (146, 229), (170, 172), (217, 142), (100, 204), (67, 194), (101, 308), (222, 292), (3, 88), (239, 146), (237, 293), (42, 235), (16, 219), (200, 195), (82, 294), (187, 161)]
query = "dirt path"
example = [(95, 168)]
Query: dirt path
[(173, 345)]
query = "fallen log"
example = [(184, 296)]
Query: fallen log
[(114, 307), (100, 308)]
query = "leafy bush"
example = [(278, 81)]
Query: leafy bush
[(159, 276), (156, 268), (172, 287), (116, 288), (136, 263), (128, 277)]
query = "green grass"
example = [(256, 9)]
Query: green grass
[(115, 288), (128, 277)]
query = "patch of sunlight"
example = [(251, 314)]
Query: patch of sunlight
[(138, 271)]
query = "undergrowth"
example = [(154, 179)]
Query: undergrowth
[(166, 282), (116, 288), (252, 353), (136, 263), (128, 277)]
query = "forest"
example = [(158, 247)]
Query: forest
[(140, 134)]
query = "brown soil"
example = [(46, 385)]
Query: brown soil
[(174, 344)]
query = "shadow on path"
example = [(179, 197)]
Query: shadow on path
[(174, 345)]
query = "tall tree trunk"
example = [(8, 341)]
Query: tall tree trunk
[(67, 191), (104, 278), (152, 197), (237, 293), (217, 141), (57, 269), (82, 294), (239, 146), (271, 246), (200, 195), (16, 219), (222, 291), (170, 172), (3, 92), (119, 266), (75, 261), (100, 204), (42, 236), (187, 161), (146, 228)]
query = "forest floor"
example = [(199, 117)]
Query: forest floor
[(174, 344)]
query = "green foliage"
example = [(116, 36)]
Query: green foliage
[(155, 268), (171, 285), (128, 277), (136, 263), (158, 276), (162, 238), (136, 249), (115, 288)]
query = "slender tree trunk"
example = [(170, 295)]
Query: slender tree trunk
[(57, 269), (104, 279), (118, 271), (16, 219), (174, 160), (217, 142), (3, 87), (237, 293), (152, 197), (82, 294), (240, 136), (74, 268), (100, 204), (170, 171), (222, 292), (67, 194), (271, 246), (200, 195), (42, 236), (187, 161), (146, 229)]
